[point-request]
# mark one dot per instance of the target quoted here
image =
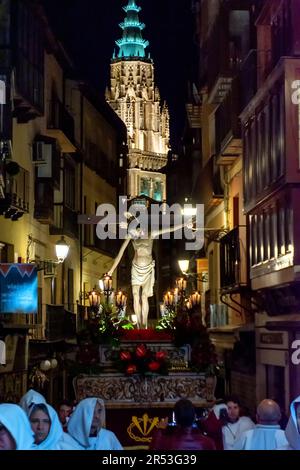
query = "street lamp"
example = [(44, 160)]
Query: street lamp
[(169, 300), (181, 285), (94, 300), (61, 250), (195, 299), (105, 285), (184, 266), (121, 300)]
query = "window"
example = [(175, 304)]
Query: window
[(267, 145), (145, 187), (70, 200), (272, 234), (157, 191), (239, 30), (30, 55), (274, 137), (288, 228), (253, 235), (260, 239), (246, 163), (253, 156), (275, 232), (281, 134), (281, 231), (266, 236)]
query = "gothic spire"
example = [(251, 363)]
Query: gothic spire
[(132, 43)]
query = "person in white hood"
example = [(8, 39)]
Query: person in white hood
[(31, 398), (85, 426), (46, 427), (292, 431), (15, 430), (48, 430)]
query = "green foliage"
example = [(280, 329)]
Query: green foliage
[(107, 327), (167, 322)]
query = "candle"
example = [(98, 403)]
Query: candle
[(176, 295)]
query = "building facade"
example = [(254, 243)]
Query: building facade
[(61, 147), (270, 126), (226, 37)]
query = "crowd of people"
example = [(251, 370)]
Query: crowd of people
[(36, 425)]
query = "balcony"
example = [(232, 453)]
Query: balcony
[(194, 114), (220, 69), (277, 26), (61, 126), (15, 193), (64, 222), (233, 266), (209, 186), (228, 130)]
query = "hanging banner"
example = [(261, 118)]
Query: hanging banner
[(18, 288)]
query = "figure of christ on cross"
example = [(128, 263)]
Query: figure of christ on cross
[(142, 270)]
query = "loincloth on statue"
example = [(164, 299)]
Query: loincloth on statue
[(143, 276)]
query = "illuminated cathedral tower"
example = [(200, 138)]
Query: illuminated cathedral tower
[(135, 98)]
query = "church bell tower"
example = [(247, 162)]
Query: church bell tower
[(135, 98)]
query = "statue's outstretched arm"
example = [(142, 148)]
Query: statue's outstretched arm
[(119, 256), (156, 233)]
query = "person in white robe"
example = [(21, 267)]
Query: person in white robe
[(86, 426), (292, 431), (14, 420), (31, 398), (48, 430), (235, 424), (46, 426), (267, 434)]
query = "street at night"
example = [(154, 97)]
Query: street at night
[(149, 208)]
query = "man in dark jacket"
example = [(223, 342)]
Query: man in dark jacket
[(182, 436)]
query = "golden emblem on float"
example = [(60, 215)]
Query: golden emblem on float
[(140, 428)]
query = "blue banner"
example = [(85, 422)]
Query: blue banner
[(18, 288)]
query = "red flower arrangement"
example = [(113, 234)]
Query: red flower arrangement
[(142, 360), (146, 335)]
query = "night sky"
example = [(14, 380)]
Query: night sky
[(88, 29)]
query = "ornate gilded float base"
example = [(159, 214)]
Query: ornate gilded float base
[(119, 390)]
